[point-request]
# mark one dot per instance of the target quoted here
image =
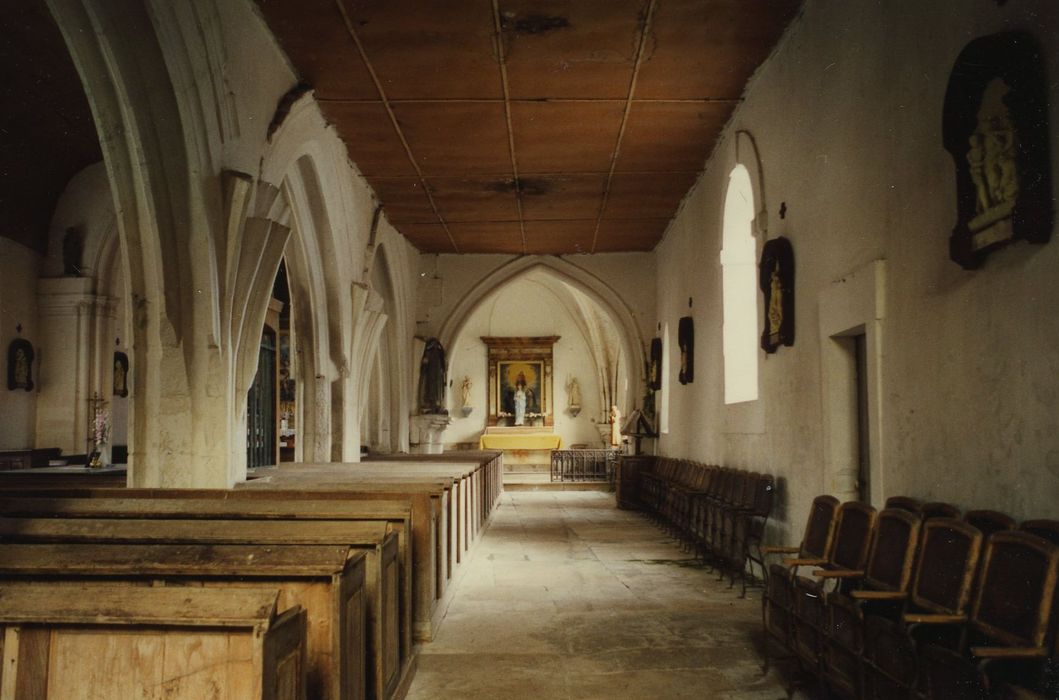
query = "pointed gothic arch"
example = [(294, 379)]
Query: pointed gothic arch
[(592, 286)]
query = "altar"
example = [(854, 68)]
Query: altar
[(526, 448), (520, 441)]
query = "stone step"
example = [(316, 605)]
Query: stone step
[(527, 468), (557, 486)]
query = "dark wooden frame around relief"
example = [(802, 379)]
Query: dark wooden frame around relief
[(121, 381), (503, 351), (14, 381), (654, 368), (686, 341), (776, 280), (995, 127)]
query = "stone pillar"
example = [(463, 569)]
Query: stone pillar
[(427, 429)]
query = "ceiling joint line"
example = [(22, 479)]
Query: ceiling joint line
[(499, 45), (532, 100), (393, 121), (645, 30)]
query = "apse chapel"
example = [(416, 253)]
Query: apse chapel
[(639, 279)]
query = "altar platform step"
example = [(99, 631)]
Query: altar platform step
[(510, 468), (522, 481)]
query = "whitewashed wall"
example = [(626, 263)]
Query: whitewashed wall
[(846, 117), (526, 307), (19, 267)]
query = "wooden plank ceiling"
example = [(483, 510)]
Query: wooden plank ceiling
[(528, 126)]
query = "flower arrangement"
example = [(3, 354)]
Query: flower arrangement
[(101, 426)]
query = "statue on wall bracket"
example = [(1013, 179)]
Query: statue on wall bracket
[(995, 126), (432, 379), (776, 279)]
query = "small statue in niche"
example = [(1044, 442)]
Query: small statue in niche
[(121, 374), (992, 158), (432, 379), (72, 251), (615, 427), (573, 397), (465, 397), (776, 281), (20, 365)]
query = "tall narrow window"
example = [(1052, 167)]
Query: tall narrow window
[(740, 290), (663, 404)]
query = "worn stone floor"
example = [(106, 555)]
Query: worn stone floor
[(567, 597)]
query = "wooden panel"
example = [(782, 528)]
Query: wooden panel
[(709, 49), (559, 237), (373, 142), (670, 136), (404, 200), (488, 237), (101, 604), (475, 199), (457, 138), (647, 195), (323, 588), (564, 137), (562, 196), (428, 238), (629, 234), (313, 33), (34, 648), (429, 50), (565, 49), (283, 659)]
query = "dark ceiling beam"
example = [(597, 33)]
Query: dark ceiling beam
[(645, 29), (393, 120), (498, 42)]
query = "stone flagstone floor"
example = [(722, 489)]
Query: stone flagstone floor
[(567, 597)]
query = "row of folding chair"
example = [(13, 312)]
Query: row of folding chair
[(914, 603), (719, 513)]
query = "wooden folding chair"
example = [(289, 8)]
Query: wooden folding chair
[(1007, 632), (941, 588), (889, 568), (776, 602)]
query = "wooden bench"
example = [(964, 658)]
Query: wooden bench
[(59, 640), (325, 581), (424, 504), (195, 504), (384, 613)]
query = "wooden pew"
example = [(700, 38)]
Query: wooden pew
[(120, 642), (193, 504), (443, 528), (424, 502), (384, 615), (325, 581)]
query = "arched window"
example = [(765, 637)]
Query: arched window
[(663, 403), (739, 272)]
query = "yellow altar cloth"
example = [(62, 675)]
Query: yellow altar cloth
[(528, 441)]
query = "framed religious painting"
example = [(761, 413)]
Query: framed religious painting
[(686, 341), (520, 381), (776, 279), (995, 127), (20, 365), (654, 368)]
